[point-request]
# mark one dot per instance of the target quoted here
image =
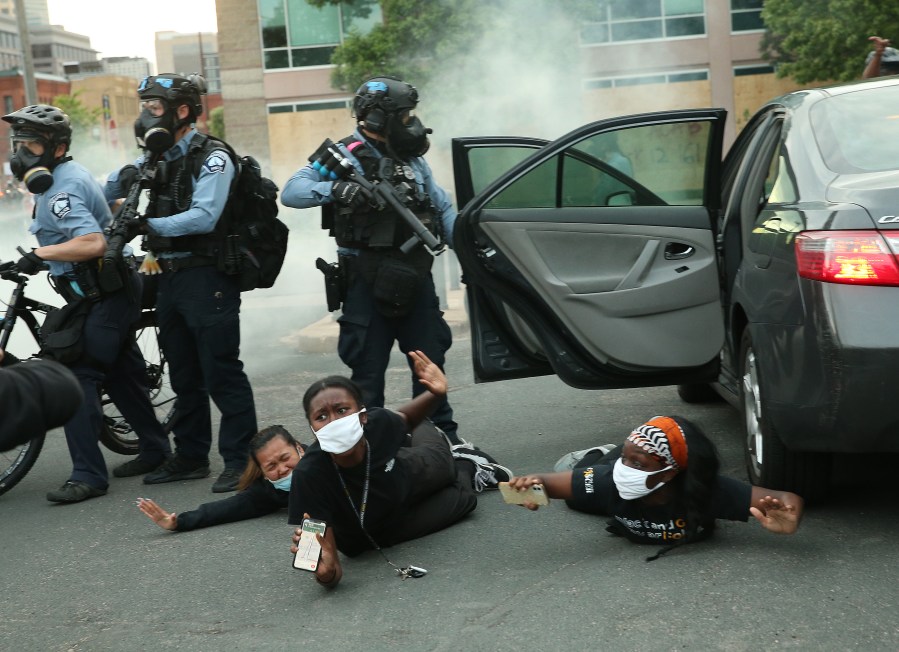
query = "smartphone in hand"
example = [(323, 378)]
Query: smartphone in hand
[(309, 550), (535, 494)]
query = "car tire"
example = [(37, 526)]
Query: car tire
[(769, 463), (698, 393)]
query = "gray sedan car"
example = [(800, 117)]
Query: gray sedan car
[(630, 253)]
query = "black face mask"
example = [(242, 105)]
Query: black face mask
[(155, 133), (410, 139), (33, 169)]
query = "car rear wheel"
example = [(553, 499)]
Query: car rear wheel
[(769, 463)]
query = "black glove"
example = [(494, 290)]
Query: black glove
[(30, 263), (135, 228), (350, 194), (127, 176)]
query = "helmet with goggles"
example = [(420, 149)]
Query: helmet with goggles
[(175, 90), (40, 122), (381, 97)]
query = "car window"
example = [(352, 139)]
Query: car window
[(488, 163), (857, 132), (636, 166)]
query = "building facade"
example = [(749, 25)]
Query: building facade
[(189, 53)]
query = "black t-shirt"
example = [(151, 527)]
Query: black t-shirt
[(317, 491), (593, 491)]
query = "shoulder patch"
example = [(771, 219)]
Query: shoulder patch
[(60, 205), (215, 162)]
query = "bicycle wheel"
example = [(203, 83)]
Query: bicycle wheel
[(15, 463), (117, 434)]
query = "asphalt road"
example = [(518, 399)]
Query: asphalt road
[(99, 576)]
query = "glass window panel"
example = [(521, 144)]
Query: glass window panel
[(753, 70), (688, 76), (271, 19), (627, 9), (284, 108), (599, 83), (353, 18), (637, 30), (587, 182), (595, 33), (681, 7), (745, 4), (685, 26), (536, 189), (321, 106), (312, 56), (313, 26), (488, 163), (276, 59), (746, 21), (639, 81)]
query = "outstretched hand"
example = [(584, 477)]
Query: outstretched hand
[(328, 572), (880, 44), (429, 374), (776, 515), (162, 518), (523, 483)]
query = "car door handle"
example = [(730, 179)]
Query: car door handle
[(678, 251)]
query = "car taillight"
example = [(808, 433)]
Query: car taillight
[(853, 257)]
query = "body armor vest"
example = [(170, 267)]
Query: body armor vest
[(369, 228)]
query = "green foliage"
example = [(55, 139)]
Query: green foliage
[(83, 118), (216, 122), (824, 40)]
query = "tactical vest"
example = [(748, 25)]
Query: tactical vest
[(172, 192), (369, 228)]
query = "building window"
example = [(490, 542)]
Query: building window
[(308, 106), (746, 15), (8, 103), (743, 71), (643, 20), (669, 78), (297, 35)]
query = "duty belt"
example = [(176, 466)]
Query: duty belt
[(186, 262)]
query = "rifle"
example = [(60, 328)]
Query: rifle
[(326, 161), (112, 266)]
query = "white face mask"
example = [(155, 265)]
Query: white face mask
[(340, 435), (283, 483), (631, 483)]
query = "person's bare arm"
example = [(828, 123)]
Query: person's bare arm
[(873, 68), (76, 250), (433, 379)]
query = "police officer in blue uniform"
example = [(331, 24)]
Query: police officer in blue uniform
[(369, 241), (197, 306), (69, 217)]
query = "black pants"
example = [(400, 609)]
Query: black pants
[(198, 311)]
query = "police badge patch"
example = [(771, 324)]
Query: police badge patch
[(60, 205), (215, 162)]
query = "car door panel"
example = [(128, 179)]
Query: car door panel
[(604, 296)]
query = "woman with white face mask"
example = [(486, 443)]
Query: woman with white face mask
[(263, 488), (662, 487)]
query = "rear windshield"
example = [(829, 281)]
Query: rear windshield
[(859, 132)]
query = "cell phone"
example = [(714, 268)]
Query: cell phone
[(535, 494), (309, 550)]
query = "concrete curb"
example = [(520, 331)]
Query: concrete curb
[(321, 336)]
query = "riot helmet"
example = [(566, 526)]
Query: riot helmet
[(383, 105), (44, 124), (161, 95)]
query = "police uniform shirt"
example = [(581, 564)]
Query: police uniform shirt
[(593, 491), (74, 206), (210, 192), (306, 189), (316, 489)]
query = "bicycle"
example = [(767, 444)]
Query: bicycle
[(116, 434)]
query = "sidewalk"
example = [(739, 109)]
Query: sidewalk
[(321, 336)]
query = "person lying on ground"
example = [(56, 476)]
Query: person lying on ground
[(662, 486)]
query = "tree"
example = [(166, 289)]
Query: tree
[(216, 123), (824, 40), (83, 119)]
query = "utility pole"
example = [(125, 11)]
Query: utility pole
[(28, 67)]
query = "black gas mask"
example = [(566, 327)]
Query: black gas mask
[(33, 169), (155, 133), (409, 139)]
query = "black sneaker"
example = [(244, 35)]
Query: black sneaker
[(227, 481), (178, 468), (74, 491), (137, 466)]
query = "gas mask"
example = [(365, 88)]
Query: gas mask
[(410, 139), (32, 168), (155, 133)]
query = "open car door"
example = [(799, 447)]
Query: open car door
[(593, 257)]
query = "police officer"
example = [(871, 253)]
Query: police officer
[(197, 306), (69, 217), (390, 294)]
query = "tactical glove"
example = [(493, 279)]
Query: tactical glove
[(350, 194), (30, 263), (127, 176)]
